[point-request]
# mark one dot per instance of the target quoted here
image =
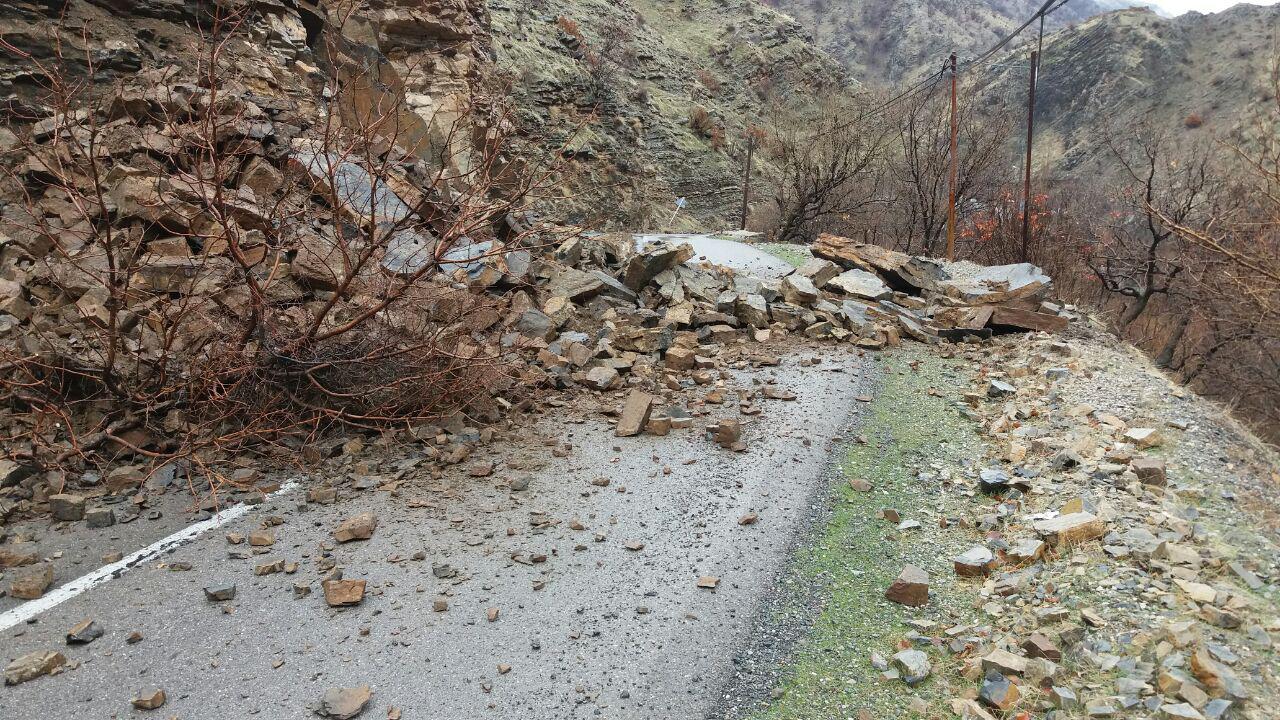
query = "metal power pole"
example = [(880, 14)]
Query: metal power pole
[(746, 180), (951, 193), (1026, 179)]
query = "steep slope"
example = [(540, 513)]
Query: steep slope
[(1193, 77), (887, 41), (652, 97)]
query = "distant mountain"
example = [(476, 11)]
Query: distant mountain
[(883, 41), (1192, 76)]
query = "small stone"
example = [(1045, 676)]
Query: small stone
[(1180, 711), (67, 507), (1150, 471), (998, 692), (977, 561), (910, 588), (748, 519), (708, 582), (262, 538), (1144, 437), (343, 593), (31, 582), (100, 517), (440, 605), (491, 614), (1004, 662), (999, 388), (727, 433), (483, 468), (343, 703), (322, 495), (861, 485), (358, 527), (33, 665), (84, 632), (1070, 529), (914, 665), (220, 593), (1064, 697), (1039, 646), (148, 699)]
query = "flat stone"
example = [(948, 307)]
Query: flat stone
[(1070, 529), (1144, 437), (1004, 662), (220, 593), (1180, 711), (84, 632), (1039, 646), (999, 388), (799, 290), (100, 517), (635, 414), (861, 284), (33, 665), (911, 587), (357, 527), (601, 377), (342, 593), (148, 699), (343, 703)]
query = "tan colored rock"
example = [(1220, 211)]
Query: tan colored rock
[(910, 588), (635, 414), (358, 527), (33, 665), (31, 583), (341, 593), (1070, 529)]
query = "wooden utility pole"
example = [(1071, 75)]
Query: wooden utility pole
[(746, 179), (1026, 178), (951, 193)]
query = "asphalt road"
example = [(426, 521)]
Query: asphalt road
[(611, 633)]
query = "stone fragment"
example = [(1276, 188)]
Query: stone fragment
[(33, 665), (1144, 437), (343, 703), (799, 290), (727, 433), (1180, 711), (914, 666), (910, 588), (1004, 662), (1070, 529), (30, 583), (479, 469), (1064, 697), (1150, 471), (708, 582), (977, 561), (262, 538), (860, 284), (1000, 388), (84, 632), (601, 377), (67, 507), (18, 554), (635, 414), (1039, 646), (998, 691), (100, 517), (148, 699), (220, 593), (342, 593), (357, 527)]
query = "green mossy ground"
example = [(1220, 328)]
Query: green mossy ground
[(857, 554)]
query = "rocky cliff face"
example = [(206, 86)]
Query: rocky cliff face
[(650, 98)]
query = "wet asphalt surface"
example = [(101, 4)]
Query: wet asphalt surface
[(596, 630)]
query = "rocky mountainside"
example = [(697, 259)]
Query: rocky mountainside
[(883, 41), (1194, 77), (651, 98)]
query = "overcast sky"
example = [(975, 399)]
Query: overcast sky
[(1177, 7)]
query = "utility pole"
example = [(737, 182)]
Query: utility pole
[(951, 193), (1026, 179), (746, 179)]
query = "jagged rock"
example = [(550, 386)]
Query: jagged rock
[(914, 666), (148, 699), (998, 692), (819, 271), (358, 527), (910, 588), (799, 290), (1180, 711), (1039, 646), (644, 266), (67, 507), (18, 554), (342, 593), (220, 593), (100, 517), (974, 562), (999, 388), (1144, 437), (601, 378), (84, 632), (33, 665), (752, 310), (30, 583), (1150, 471), (343, 703)]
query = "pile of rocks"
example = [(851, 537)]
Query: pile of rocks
[(1105, 593)]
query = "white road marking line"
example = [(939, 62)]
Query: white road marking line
[(30, 609)]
